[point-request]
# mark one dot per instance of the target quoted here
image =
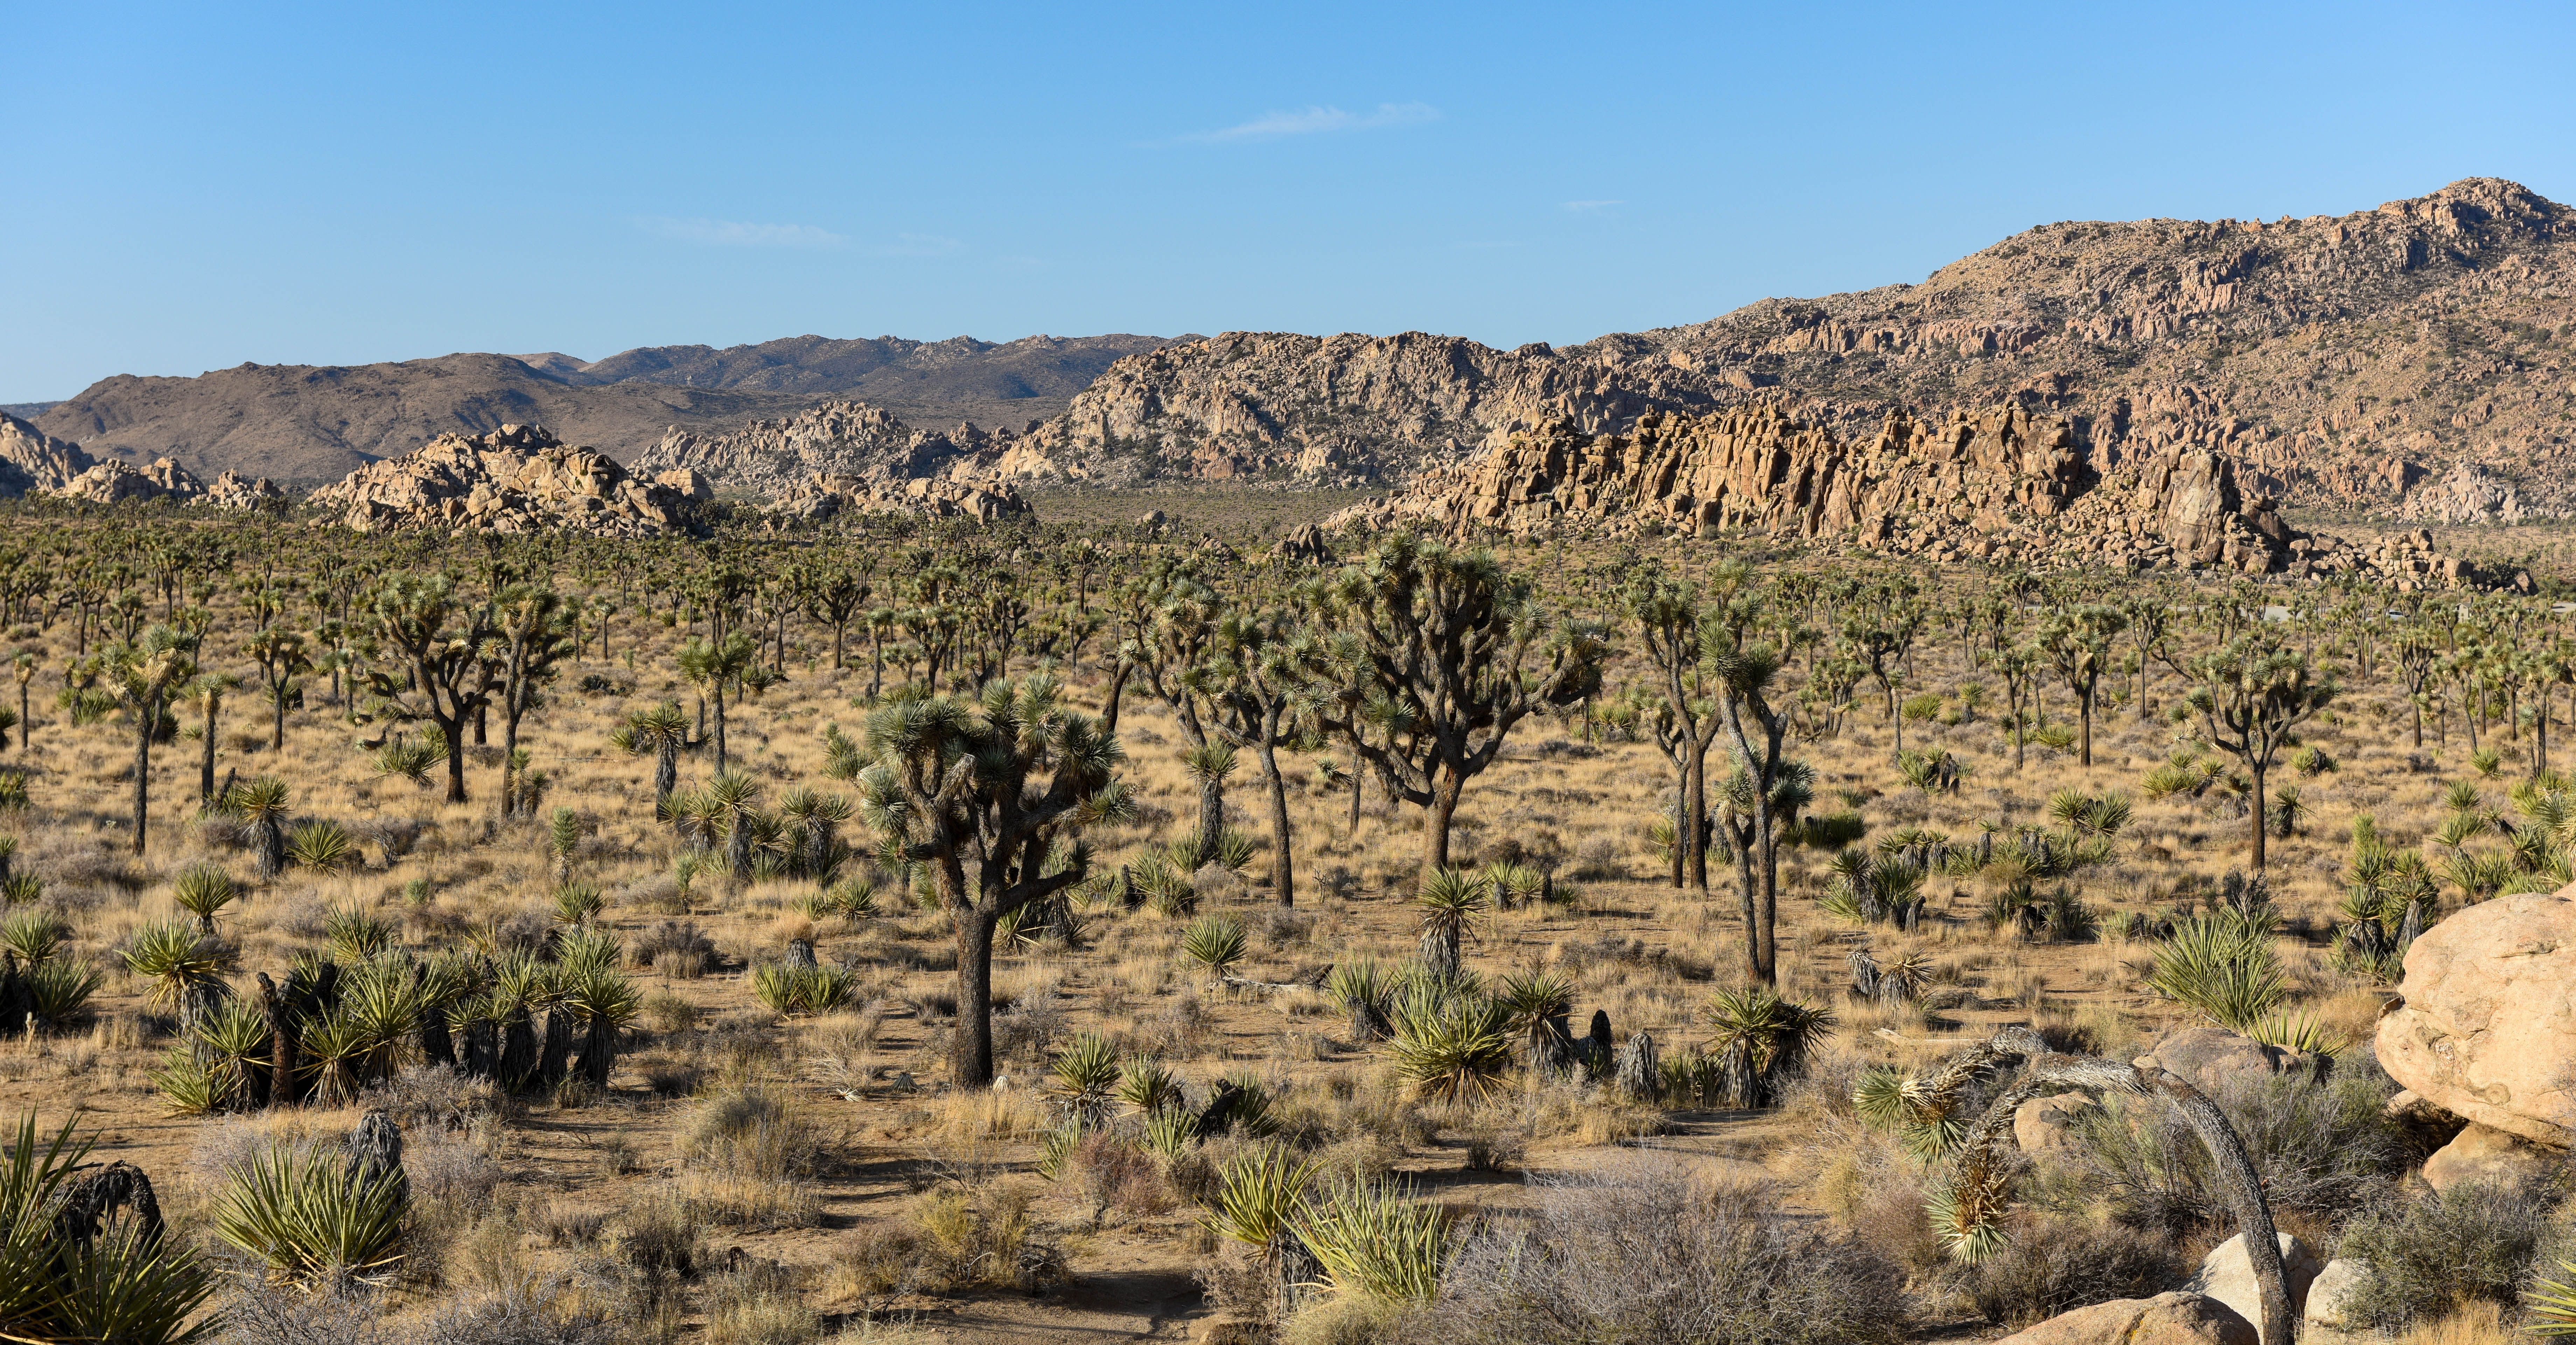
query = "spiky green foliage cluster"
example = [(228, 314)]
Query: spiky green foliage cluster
[(309, 1217), (1216, 942), (1084, 1079), (1762, 1041), (1374, 1240), (821, 988), (125, 1284), (2222, 964), (1451, 1042)]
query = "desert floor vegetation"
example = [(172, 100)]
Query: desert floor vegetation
[(465, 985)]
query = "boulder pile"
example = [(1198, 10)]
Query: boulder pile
[(33, 461), (516, 479), (2488, 1031), (115, 481), (2005, 485), (820, 497), (232, 490)]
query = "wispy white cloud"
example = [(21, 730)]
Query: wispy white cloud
[(1316, 120), (736, 234), (1583, 207)]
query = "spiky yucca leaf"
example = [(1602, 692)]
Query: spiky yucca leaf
[(309, 1219), (1083, 1078), (1373, 1240), (1451, 1047), (1216, 942), (1149, 1086), (1258, 1192)]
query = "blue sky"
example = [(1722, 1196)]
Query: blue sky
[(189, 187)]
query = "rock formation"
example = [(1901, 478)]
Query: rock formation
[(821, 497), (2002, 485), (2166, 1319), (232, 490), (32, 460), (2332, 357), (515, 479), (2488, 1029), (116, 481), (839, 439)]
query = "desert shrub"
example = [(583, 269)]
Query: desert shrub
[(436, 1097), (659, 1240), (524, 1311), (754, 1132), (759, 1305), (1111, 1172), (2048, 1266), (1351, 1321), (450, 1169), (676, 948), (269, 1314), (2428, 1254), (667, 1013), (2326, 1149), (1648, 1254)]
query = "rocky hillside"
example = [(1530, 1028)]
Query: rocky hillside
[(313, 424), (847, 440), (2005, 485), (516, 479), (2414, 358), (32, 460)]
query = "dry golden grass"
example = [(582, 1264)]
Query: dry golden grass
[(1561, 796)]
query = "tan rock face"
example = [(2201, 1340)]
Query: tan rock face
[(115, 481), (838, 439), (2046, 1124), (33, 461), (234, 491), (818, 498), (2166, 1319), (2488, 1030), (516, 479), (2486, 1154), (2212, 1059), (2003, 485), (2227, 1275)]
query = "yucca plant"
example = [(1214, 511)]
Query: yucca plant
[(230, 1045), (2305, 1033), (1165, 889), (2486, 761), (2221, 964), (1762, 1041), (309, 1218), (1968, 1213), (262, 803), (21, 889), (333, 1050), (176, 959), (34, 934), (1171, 1131), (323, 846), (804, 990), (1373, 1240), (1448, 907), (125, 1284), (1451, 1047), (59, 990), (383, 1007), (189, 1086), (604, 1000), (1085, 1075), (411, 760), (355, 933), (1535, 1005), (203, 890), (1216, 942), (1149, 1086), (578, 904), (1258, 1194), (2553, 1303), (13, 791), (563, 837), (1361, 987)]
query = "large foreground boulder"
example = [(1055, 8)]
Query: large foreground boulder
[(2212, 1058), (2488, 1029), (2486, 1154), (2330, 1296), (2227, 1274), (2166, 1319)]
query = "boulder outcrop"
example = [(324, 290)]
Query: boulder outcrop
[(2227, 1275), (2488, 1027), (2003, 485), (821, 497), (518, 478), (2485, 1154), (232, 490), (116, 481), (33, 461), (2166, 1319)]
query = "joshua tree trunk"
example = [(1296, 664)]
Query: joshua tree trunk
[(599, 1052), (145, 721), (283, 1065), (1445, 789), (1283, 868), (970, 1060), (718, 698)]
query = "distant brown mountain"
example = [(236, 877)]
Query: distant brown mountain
[(305, 425), (2414, 358)]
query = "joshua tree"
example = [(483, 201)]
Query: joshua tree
[(713, 666), (534, 630), (991, 796), (836, 594), (435, 637), (1668, 616), (661, 731), (208, 690), (1768, 789), (262, 803), (1879, 624), (283, 660), (2078, 641), (1443, 653), (2253, 691), (141, 674)]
